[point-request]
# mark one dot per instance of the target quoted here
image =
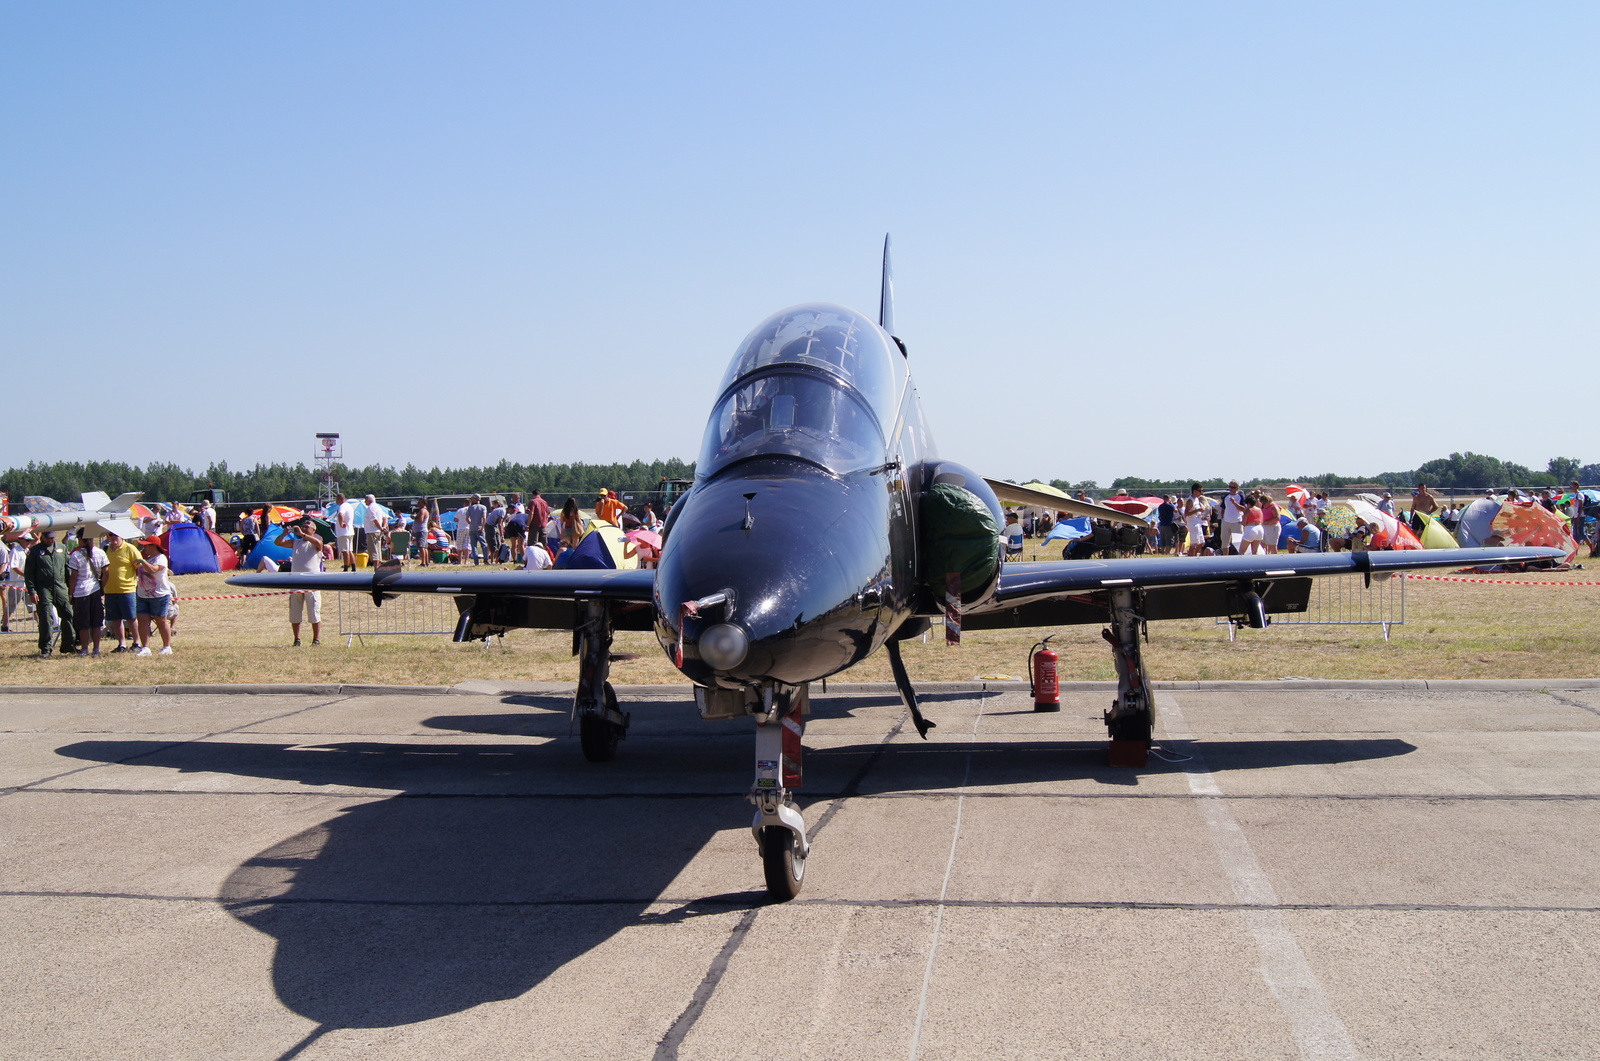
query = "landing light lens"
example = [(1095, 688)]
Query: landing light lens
[(724, 646)]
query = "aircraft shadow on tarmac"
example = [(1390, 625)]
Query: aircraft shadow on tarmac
[(497, 864)]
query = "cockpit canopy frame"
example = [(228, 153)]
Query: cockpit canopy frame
[(819, 382)]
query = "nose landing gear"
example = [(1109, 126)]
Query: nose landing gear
[(779, 829)]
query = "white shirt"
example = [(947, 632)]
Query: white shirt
[(158, 584), (18, 557), (1233, 508), (86, 575), (208, 518), (305, 557), (345, 520), (374, 521), (536, 558)]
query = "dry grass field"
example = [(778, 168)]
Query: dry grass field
[(1451, 630)]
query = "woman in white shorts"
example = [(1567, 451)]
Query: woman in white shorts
[(1250, 540), (1196, 514)]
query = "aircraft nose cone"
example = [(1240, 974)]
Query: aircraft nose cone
[(786, 576)]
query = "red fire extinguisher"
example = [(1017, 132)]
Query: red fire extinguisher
[(1042, 677)]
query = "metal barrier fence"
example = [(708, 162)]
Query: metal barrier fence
[(1346, 600), (21, 620), (407, 613)]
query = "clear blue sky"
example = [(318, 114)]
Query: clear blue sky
[(1149, 239)]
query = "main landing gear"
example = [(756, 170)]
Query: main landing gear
[(601, 723), (779, 829), (1131, 719)]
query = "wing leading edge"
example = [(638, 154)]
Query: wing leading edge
[(624, 586), (1065, 592)]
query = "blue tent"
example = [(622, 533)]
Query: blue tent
[(592, 553), (267, 547), (189, 550)]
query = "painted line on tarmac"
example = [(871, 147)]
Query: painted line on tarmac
[(944, 891), (1317, 1029)]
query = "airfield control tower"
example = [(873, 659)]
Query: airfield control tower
[(329, 450)]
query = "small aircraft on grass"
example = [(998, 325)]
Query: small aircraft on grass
[(823, 526)]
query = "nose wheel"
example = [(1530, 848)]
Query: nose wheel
[(783, 861), (779, 829)]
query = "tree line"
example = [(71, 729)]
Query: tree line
[(65, 480)]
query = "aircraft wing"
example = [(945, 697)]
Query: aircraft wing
[(495, 601), (1012, 494), (1064, 592), (622, 586)]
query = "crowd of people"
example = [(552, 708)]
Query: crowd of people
[(492, 529), (82, 589), (487, 529), (86, 589), (1243, 522)]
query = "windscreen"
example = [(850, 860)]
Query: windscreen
[(798, 412), (834, 339)]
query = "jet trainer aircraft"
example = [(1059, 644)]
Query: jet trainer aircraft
[(823, 526)]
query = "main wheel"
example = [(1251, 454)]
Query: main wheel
[(784, 865), (596, 732), (599, 739)]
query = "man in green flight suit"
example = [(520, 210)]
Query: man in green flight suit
[(45, 576)]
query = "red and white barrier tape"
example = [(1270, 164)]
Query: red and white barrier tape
[(241, 596), (1494, 581)]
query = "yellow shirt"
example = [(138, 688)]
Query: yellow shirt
[(122, 569)]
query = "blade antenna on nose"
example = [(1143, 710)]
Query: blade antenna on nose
[(749, 520)]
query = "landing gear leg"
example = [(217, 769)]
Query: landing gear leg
[(902, 682), (779, 829), (601, 722), (1132, 716)]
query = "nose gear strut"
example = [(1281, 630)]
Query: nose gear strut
[(779, 829)]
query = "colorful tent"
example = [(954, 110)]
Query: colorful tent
[(1473, 526), (604, 547), (1530, 523), (1389, 532), (1433, 535), (190, 550)]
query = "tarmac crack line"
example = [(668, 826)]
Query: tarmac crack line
[(667, 1048), (817, 797), (1572, 703), (168, 747), (737, 901), (944, 893), (1317, 1030)]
